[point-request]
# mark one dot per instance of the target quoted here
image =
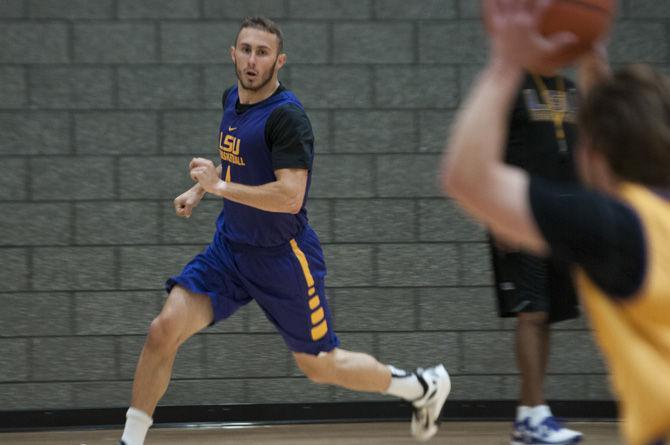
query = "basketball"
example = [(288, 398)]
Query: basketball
[(589, 20)]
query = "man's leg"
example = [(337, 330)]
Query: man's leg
[(183, 315), (426, 389), (532, 347), (532, 354)]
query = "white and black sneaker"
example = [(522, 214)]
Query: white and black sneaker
[(427, 408)]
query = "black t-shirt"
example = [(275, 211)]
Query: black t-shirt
[(532, 142), (597, 232), (288, 133)]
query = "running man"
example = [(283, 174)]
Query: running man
[(264, 249)]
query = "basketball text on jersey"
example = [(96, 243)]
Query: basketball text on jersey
[(229, 149), (561, 102)]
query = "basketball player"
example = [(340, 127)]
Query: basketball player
[(264, 249), (537, 291), (615, 229)]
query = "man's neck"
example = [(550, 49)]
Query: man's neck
[(249, 97)]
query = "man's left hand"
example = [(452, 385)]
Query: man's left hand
[(204, 172)]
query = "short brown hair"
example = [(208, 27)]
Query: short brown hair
[(627, 118), (264, 24)]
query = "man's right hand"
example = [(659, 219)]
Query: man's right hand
[(187, 201)]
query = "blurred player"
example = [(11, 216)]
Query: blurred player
[(264, 249), (615, 229)]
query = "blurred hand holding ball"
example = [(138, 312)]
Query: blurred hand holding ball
[(589, 21)]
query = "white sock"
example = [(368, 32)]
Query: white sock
[(522, 412), (538, 414), (137, 425), (404, 384)]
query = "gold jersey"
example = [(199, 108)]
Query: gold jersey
[(634, 333)]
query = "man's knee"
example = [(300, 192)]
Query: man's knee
[(318, 368), (163, 333), (539, 319)]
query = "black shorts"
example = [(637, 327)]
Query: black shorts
[(526, 283)]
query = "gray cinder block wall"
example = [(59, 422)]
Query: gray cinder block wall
[(102, 103)]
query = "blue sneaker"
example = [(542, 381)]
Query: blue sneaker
[(548, 432)]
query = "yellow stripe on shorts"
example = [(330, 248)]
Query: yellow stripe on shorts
[(319, 330), (314, 302), (317, 316), (303, 263)]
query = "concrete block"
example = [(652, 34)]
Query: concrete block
[(396, 87), (469, 9), (461, 42), (197, 42), (117, 222), (405, 176), (14, 360), (159, 87), (164, 177), (287, 390), (374, 220), (238, 9), (190, 361), (73, 268), (25, 42), (25, 133), (349, 86), (23, 314), (321, 126), (575, 352), (652, 9), (443, 220), (100, 394), (374, 132), (377, 309), (149, 267), (457, 308), (115, 43), (489, 352), (71, 9), (426, 9), (13, 9), (433, 130), (198, 229), (38, 396), (412, 350), (417, 265), (74, 358), (342, 176), (306, 42), (72, 178), (116, 312), (337, 9), (475, 261), (13, 179), (349, 265), (190, 132), (207, 392), (318, 211), (71, 87), (116, 132), (14, 273), (13, 88), (181, 9), (639, 42), (217, 79), (381, 42), (35, 224), (250, 355)]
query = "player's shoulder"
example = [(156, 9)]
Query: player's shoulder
[(225, 95)]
